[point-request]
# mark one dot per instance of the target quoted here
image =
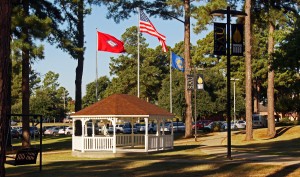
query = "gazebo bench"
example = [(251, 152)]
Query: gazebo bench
[(24, 156)]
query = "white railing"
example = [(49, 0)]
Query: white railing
[(98, 143), (160, 142), (152, 142), (106, 143), (126, 140)]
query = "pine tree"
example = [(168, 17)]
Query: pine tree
[(5, 23)]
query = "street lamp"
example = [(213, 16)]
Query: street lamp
[(228, 13)]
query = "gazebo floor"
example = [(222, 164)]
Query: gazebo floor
[(120, 152)]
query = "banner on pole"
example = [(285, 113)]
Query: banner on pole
[(190, 82), (219, 38), (199, 82), (237, 43)]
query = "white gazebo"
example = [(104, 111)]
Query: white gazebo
[(116, 108)]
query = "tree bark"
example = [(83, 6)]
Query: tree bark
[(79, 69), (5, 22), (270, 93), (25, 79), (188, 93), (248, 49)]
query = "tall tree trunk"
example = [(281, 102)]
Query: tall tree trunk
[(188, 93), (5, 22), (8, 108), (248, 48), (270, 93), (79, 69), (25, 79)]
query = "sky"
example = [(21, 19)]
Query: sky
[(61, 62)]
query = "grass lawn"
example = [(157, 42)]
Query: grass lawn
[(185, 160)]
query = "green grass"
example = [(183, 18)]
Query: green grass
[(185, 160)]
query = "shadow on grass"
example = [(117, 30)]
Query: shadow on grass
[(152, 168), (284, 147), (286, 170), (281, 131)]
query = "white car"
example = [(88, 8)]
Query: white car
[(52, 131), (151, 128), (69, 131), (65, 131), (240, 124)]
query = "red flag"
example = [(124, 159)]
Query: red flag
[(109, 43), (147, 27)]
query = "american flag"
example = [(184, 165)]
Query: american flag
[(147, 27)]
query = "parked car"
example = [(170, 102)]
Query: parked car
[(259, 120), (51, 131), (201, 123), (240, 124), (232, 126), (15, 133), (119, 128), (61, 131), (177, 127), (69, 131), (127, 129), (90, 128), (151, 128), (19, 129), (214, 126), (34, 131)]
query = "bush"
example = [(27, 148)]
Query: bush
[(287, 122)]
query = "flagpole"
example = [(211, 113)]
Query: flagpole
[(171, 106), (96, 81), (138, 58)]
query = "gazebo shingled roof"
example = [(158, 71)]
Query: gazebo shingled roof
[(122, 104)]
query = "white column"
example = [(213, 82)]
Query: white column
[(146, 134), (158, 127), (114, 136), (82, 134), (172, 134), (73, 134), (132, 135), (85, 129), (93, 134), (158, 134), (163, 134), (93, 128)]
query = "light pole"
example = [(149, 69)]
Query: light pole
[(234, 102), (228, 13), (195, 95)]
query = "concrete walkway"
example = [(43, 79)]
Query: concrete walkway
[(213, 145)]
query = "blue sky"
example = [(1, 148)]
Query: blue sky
[(60, 62)]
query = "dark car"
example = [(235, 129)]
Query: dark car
[(15, 133)]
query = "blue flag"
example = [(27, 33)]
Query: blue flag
[(177, 62)]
